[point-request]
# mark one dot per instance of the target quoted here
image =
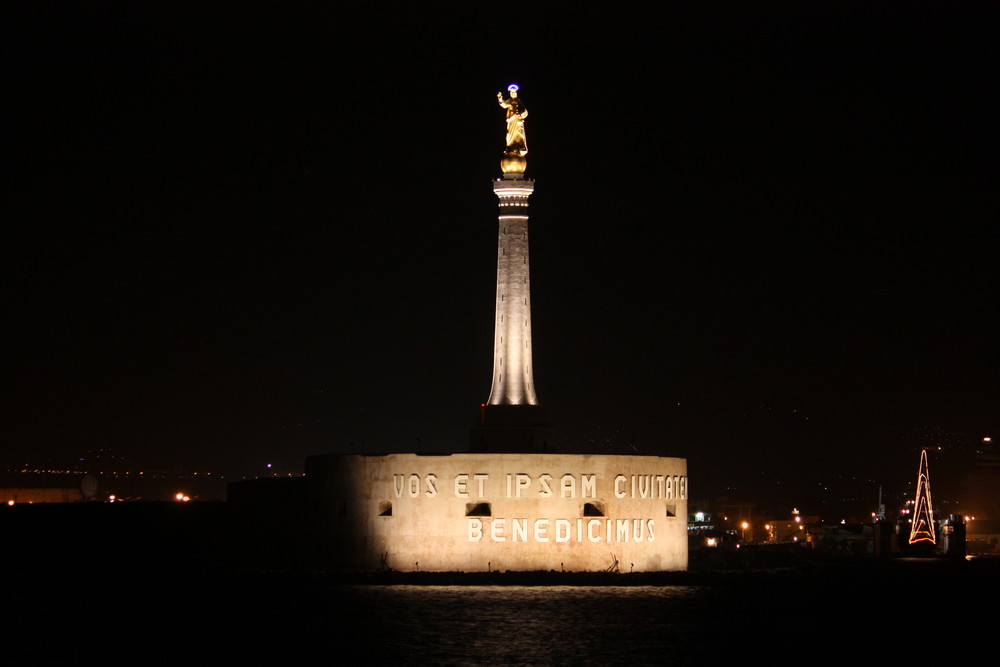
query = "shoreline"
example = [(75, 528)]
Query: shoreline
[(857, 569)]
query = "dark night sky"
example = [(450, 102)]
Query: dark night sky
[(762, 239)]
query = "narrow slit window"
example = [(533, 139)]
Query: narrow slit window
[(385, 508), (478, 509), (672, 510)]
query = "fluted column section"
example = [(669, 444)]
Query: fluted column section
[(513, 383)]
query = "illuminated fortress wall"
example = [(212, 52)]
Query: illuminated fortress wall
[(479, 512)]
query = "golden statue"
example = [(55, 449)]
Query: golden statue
[(517, 144)]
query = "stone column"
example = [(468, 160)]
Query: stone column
[(513, 383)]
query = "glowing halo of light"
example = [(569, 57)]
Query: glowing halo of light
[(513, 86)]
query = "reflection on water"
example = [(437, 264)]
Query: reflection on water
[(870, 611), (873, 612), (530, 624)]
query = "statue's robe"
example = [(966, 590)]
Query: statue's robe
[(517, 143)]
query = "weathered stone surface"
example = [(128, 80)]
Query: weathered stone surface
[(482, 512)]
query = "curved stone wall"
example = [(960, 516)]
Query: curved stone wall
[(479, 512)]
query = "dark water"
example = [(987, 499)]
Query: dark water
[(535, 625), (865, 614)]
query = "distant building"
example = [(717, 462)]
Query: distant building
[(983, 537), (982, 485), (46, 487)]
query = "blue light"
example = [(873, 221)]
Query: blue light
[(512, 86)]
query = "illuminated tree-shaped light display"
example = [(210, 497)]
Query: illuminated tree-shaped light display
[(922, 529)]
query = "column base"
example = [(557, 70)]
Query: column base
[(512, 429)]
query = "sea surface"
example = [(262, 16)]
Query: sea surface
[(859, 613)]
